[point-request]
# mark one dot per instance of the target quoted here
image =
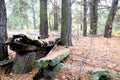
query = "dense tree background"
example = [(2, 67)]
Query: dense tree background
[(25, 14)]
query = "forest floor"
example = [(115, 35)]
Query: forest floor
[(87, 53)]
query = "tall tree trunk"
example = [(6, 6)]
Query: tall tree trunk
[(50, 22), (33, 12), (81, 15), (43, 19), (66, 23), (3, 31), (50, 25), (85, 18), (56, 15), (108, 26), (93, 16)]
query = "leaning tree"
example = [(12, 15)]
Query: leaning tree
[(111, 16), (3, 31)]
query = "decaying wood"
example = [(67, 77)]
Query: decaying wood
[(52, 72), (23, 44), (5, 62), (52, 59), (24, 64), (6, 65), (51, 64)]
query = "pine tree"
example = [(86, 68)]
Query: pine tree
[(3, 31), (66, 23)]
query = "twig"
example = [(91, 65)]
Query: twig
[(86, 56)]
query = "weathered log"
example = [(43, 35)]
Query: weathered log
[(52, 72), (6, 65), (24, 47), (21, 38), (24, 64), (6, 62), (21, 44), (52, 59)]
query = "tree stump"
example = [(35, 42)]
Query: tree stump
[(24, 64)]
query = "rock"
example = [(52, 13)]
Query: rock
[(24, 64), (53, 59)]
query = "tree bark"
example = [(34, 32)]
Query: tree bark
[(3, 31), (43, 19), (108, 26), (66, 23), (55, 15), (85, 19), (93, 17)]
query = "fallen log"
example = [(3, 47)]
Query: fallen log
[(51, 64), (6, 62), (22, 44), (48, 72), (26, 49), (52, 72), (21, 38), (52, 59)]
